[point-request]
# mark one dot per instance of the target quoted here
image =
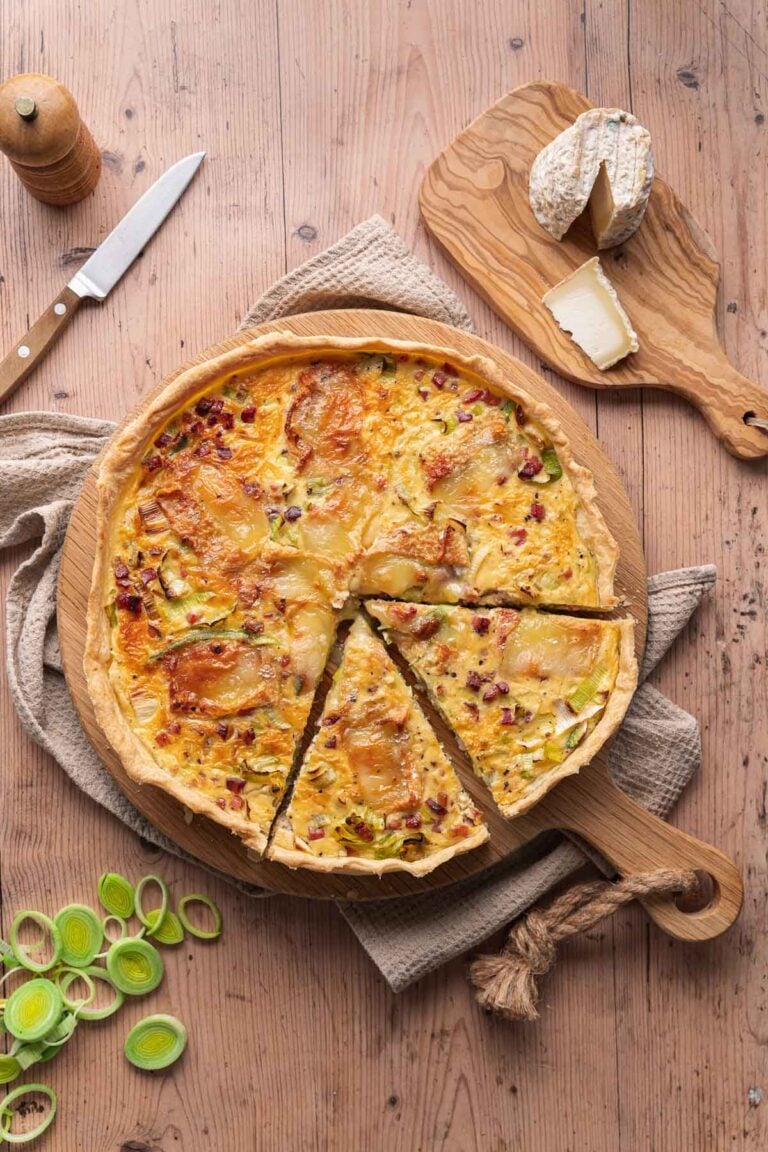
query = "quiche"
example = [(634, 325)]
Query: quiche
[(262, 496), (376, 791), (530, 695)]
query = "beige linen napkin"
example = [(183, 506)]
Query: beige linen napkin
[(43, 460)]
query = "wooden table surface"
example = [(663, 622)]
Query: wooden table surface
[(315, 114)]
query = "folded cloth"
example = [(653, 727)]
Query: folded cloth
[(44, 458)]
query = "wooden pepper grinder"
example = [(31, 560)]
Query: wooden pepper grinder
[(47, 143)]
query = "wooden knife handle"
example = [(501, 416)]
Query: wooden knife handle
[(735, 407), (635, 841), (28, 352)]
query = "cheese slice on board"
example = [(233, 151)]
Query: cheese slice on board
[(585, 304), (603, 160)]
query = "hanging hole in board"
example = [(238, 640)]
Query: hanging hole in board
[(703, 896), (754, 421)]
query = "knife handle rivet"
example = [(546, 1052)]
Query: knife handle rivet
[(59, 309), (23, 351)]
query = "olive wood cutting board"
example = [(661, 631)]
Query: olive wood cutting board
[(588, 804), (474, 200)]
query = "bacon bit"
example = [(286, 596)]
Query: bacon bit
[(235, 784), (251, 488), (162, 739), (292, 513), (129, 601), (331, 742), (464, 417), (473, 709), (212, 421), (217, 405), (519, 535), (393, 821), (154, 463), (227, 421), (418, 374), (221, 802), (315, 833), (164, 440), (450, 370), (426, 627), (148, 575), (567, 574), (503, 687), (362, 830), (491, 400), (122, 572), (440, 691), (249, 736), (155, 551), (222, 729), (248, 415), (404, 612), (203, 449), (520, 415), (442, 798), (203, 406), (460, 831), (439, 378), (193, 617), (332, 718), (174, 727), (481, 624), (538, 511), (501, 480), (531, 467), (423, 392), (474, 681), (197, 427), (224, 452), (413, 821), (236, 802), (473, 395), (491, 692), (507, 716), (253, 627)]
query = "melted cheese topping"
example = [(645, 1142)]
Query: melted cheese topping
[(265, 504), (520, 689), (375, 782)]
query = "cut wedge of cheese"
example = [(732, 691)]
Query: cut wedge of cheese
[(603, 160), (585, 304)]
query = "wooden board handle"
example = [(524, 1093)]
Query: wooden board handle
[(634, 841), (728, 401), (44, 332)]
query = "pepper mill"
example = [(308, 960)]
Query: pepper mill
[(47, 143)]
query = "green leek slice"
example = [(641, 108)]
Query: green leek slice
[(65, 978), (200, 933), (6, 1114), (81, 935), (116, 895), (28, 1054), (170, 931), (552, 465), (212, 634), (105, 928), (33, 1009), (22, 951), (155, 1042), (135, 966), (9, 1068), (584, 692), (164, 897), (93, 1013)]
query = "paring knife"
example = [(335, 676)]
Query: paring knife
[(101, 271)]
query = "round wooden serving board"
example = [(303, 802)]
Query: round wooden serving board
[(588, 803)]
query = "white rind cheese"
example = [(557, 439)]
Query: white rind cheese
[(585, 304), (603, 160)]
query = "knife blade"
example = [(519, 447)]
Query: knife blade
[(98, 276)]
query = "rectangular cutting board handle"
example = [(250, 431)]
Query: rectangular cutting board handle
[(635, 841)]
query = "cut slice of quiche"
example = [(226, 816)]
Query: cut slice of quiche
[(530, 695), (376, 792)]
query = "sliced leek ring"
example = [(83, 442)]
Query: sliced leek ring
[(155, 1042), (161, 911), (33, 1009), (200, 933), (65, 978), (117, 895), (6, 1114), (135, 966), (94, 1013), (170, 931), (22, 951), (9, 1068), (81, 935)]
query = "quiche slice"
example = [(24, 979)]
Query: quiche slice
[(376, 792), (531, 696)]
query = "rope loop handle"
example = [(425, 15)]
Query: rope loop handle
[(508, 982)]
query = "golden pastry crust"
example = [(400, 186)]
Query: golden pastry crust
[(326, 437)]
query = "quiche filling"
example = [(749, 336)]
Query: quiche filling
[(375, 784), (270, 500), (520, 689)]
